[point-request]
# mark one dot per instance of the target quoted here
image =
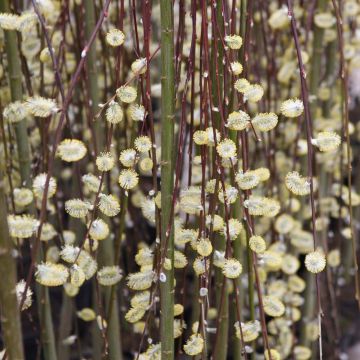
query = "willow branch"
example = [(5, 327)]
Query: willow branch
[(167, 174)]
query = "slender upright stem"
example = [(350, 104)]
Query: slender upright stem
[(23, 148), (66, 316), (310, 154), (345, 116), (106, 251), (92, 78), (46, 321), (167, 174), (315, 72), (217, 76), (318, 49), (10, 317), (15, 75)]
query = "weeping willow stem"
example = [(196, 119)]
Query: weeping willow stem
[(10, 317), (167, 175)]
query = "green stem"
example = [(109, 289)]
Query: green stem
[(251, 287), (309, 308), (68, 306), (243, 7), (23, 149), (315, 72), (239, 255), (220, 350), (65, 327), (106, 250), (46, 322), (167, 175), (217, 79), (330, 75), (14, 69), (10, 318), (97, 341), (93, 87), (317, 52), (106, 257)]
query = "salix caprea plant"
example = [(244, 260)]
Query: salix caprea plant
[(178, 178)]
